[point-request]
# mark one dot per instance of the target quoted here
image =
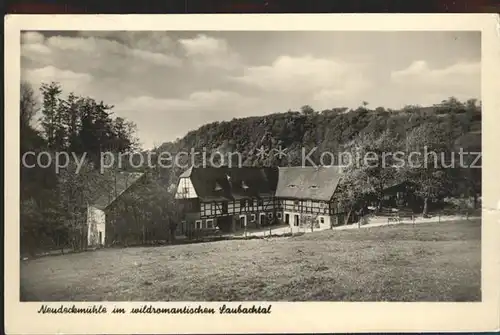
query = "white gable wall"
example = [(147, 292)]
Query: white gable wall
[(96, 222), (185, 189)]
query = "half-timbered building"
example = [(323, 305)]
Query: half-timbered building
[(228, 198), (237, 198), (306, 197)]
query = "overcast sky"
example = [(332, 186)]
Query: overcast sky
[(171, 82)]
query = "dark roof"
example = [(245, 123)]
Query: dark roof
[(309, 182), (118, 184), (212, 183)]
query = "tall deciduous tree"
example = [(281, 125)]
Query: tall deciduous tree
[(428, 164), (28, 104), (372, 162), (352, 191)]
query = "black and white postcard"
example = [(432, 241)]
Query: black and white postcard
[(248, 173)]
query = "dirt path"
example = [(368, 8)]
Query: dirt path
[(373, 222)]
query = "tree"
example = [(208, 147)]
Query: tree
[(351, 191), (83, 125), (472, 104), (372, 162), (307, 110), (411, 108), (72, 118), (124, 139), (453, 103), (51, 122), (468, 178), (426, 148), (28, 104)]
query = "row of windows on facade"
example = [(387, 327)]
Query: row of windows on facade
[(308, 208), (199, 224), (209, 223), (243, 203), (260, 203), (296, 223), (296, 203)]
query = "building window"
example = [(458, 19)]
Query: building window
[(279, 215), (252, 217), (210, 223), (270, 215), (322, 219), (185, 190), (243, 203), (198, 224), (309, 203)]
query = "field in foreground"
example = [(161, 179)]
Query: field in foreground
[(429, 262)]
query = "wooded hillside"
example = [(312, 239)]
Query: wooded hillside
[(53, 204)]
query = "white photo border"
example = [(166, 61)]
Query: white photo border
[(286, 317)]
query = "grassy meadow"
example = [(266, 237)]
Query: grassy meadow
[(426, 262)]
